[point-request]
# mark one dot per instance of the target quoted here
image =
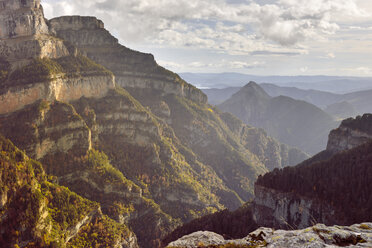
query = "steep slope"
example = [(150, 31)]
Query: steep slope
[(292, 122), (151, 167), (35, 212), (334, 189), (197, 126), (66, 110)]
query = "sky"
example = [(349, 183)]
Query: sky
[(261, 37)]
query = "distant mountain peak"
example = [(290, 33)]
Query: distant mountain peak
[(253, 89)]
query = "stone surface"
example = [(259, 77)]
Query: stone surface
[(66, 89), (24, 33), (351, 133), (282, 209), (133, 70), (358, 235), (19, 18)]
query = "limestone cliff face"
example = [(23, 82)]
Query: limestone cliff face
[(20, 18), (61, 88), (276, 209), (133, 70), (351, 133), (24, 33)]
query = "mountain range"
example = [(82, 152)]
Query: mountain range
[(126, 149), (334, 84), (340, 106), (333, 188), (293, 122)]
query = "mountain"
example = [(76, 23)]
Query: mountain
[(293, 122), (333, 84), (332, 188), (339, 106), (319, 98), (36, 212), (218, 96), (117, 129)]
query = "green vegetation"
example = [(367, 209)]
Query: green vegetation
[(102, 232), (40, 214), (343, 181), (45, 69), (100, 162), (232, 225), (39, 70), (4, 70)]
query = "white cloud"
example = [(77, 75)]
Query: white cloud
[(286, 22), (235, 31)]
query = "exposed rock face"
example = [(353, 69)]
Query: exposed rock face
[(20, 18), (177, 103), (133, 70), (58, 89), (24, 33), (282, 210), (351, 133), (358, 235)]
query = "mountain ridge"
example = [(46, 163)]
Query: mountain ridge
[(293, 122)]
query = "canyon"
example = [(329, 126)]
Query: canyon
[(120, 131)]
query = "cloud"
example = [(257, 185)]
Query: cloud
[(285, 22)]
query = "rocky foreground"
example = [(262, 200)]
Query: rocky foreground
[(358, 235)]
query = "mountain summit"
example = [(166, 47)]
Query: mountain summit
[(293, 122)]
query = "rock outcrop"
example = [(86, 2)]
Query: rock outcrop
[(24, 33), (351, 133), (357, 235), (19, 18)]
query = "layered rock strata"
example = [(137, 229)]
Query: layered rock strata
[(351, 133)]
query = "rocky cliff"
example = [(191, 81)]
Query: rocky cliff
[(324, 189), (24, 33), (152, 155), (133, 70), (351, 133)]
